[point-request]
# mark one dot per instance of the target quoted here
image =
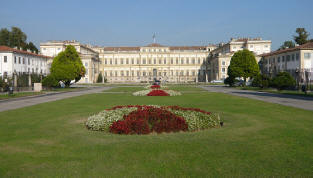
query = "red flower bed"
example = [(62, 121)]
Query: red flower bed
[(155, 87), (158, 93), (149, 119), (187, 109)]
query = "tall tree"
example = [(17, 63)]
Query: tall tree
[(4, 36), (287, 44), (32, 47), (17, 38), (302, 36), (67, 66), (243, 64)]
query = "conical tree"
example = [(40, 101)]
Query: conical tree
[(67, 66), (243, 64)]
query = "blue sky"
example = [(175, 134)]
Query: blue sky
[(175, 22)]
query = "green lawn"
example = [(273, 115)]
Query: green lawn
[(19, 94), (272, 90), (258, 139)]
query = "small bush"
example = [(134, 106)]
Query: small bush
[(99, 80), (261, 81), (230, 81), (50, 81), (283, 80)]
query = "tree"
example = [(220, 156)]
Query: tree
[(302, 37), (16, 38), (287, 44), (4, 37), (283, 80), (243, 64), (67, 66), (50, 81), (99, 80)]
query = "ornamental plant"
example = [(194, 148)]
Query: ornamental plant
[(144, 119), (158, 93)]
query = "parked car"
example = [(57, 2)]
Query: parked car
[(217, 81)]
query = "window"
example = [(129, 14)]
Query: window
[(223, 70), (307, 55), (111, 61), (283, 59), (297, 56), (234, 47), (19, 60), (86, 64), (144, 73), (160, 61), (293, 57), (176, 60), (288, 58), (149, 61), (115, 73), (122, 73), (144, 61), (137, 61), (28, 61), (132, 60), (278, 59), (14, 59), (165, 61), (266, 46), (172, 61), (251, 46), (133, 73), (199, 61), (105, 61), (138, 73), (193, 73), (187, 60), (122, 61), (223, 63), (182, 61), (115, 61), (127, 73), (87, 71), (154, 61), (193, 60), (5, 59)]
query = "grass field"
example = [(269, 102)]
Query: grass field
[(257, 139)]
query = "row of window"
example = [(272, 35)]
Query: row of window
[(145, 73), (20, 60), (288, 58), (154, 61)]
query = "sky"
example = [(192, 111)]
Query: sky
[(175, 22)]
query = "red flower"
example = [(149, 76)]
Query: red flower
[(157, 93)]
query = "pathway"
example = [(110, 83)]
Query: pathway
[(283, 99), (33, 100)]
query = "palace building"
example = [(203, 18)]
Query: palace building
[(145, 63)]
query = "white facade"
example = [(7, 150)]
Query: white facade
[(221, 56), (146, 63), (89, 57), (13, 60), (293, 60)]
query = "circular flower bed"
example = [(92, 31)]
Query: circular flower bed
[(146, 92), (144, 119), (157, 93)]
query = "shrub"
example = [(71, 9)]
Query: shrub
[(283, 80), (99, 79), (157, 93), (230, 81), (50, 81), (261, 81)]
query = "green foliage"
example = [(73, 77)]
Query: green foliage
[(283, 80), (230, 80), (67, 66), (99, 80), (16, 38), (287, 44), (50, 81), (36, 78), (243, 64), (262, 81), (22, 80), (302, 36)]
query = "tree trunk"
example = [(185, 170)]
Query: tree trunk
[(245, 80)]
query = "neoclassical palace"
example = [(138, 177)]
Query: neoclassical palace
[(176, 64), (154, 61)]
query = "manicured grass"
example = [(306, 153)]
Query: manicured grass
[(272, 90), (125, 89), (19, 94), (258, 139)]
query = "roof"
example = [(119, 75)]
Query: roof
[(306, 46), (121, 48), (8, 49), (187, 47), (137, 48), (154, 45)]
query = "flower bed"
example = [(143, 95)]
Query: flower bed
[(157, 93), (146, 92), (155, 87), (144, 119)]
